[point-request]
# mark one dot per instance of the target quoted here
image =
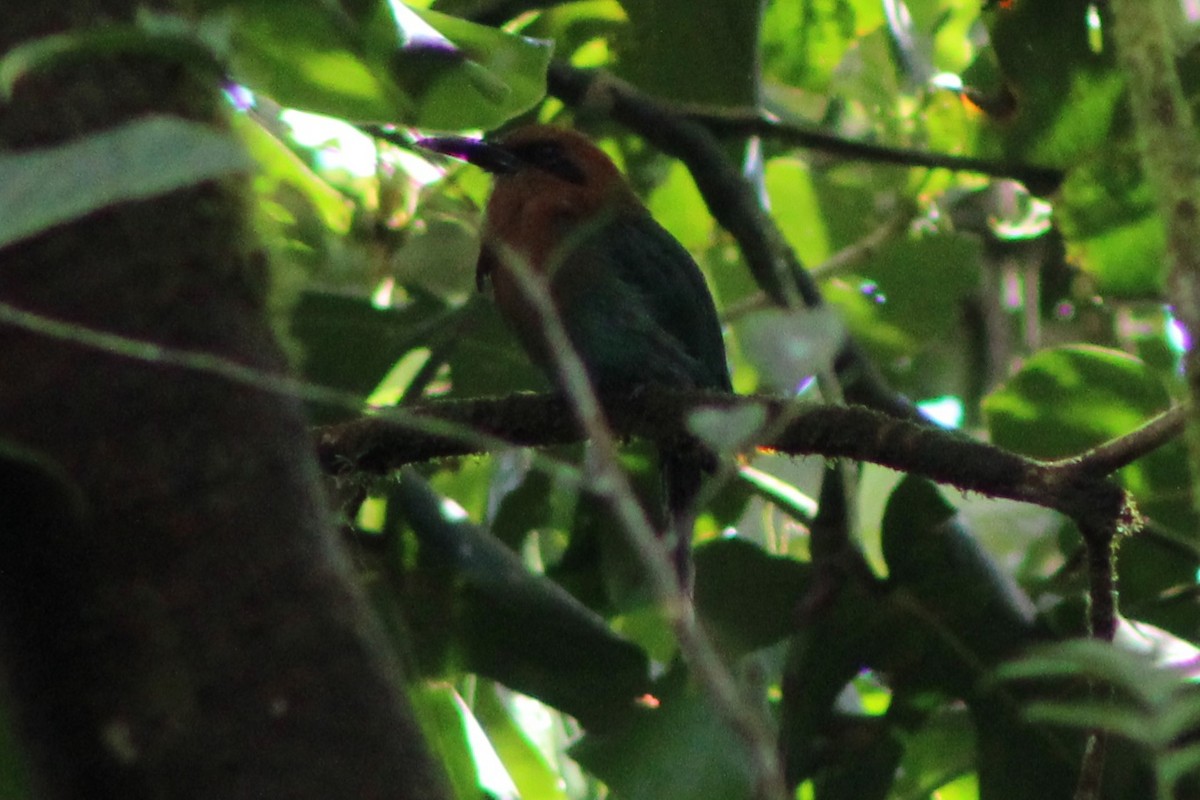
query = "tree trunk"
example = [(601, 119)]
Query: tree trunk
[(176, 619)]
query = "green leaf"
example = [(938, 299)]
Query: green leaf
[(502, 76), (804, 42), (921, 282), (1067, 399), (280, 168), (534, 778), (740, 590), (1088, 714), (792, 185), (351, 344), (1066, 93), (443, 720), (938, 752), (978, 611), (511, 625), (486, 359), (145, 158), (1107, 213), (684, 731), (660, 53), (387, 63), (1076, 659)]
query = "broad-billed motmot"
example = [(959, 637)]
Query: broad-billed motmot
[(631, 298)]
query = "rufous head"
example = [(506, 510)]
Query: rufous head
[(544, 174)]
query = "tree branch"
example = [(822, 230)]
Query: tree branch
[(1041, 180), (1073, 486)]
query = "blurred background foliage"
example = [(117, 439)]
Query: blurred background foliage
[(1031, 316)]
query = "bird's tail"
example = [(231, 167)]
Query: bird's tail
[(683, 467)]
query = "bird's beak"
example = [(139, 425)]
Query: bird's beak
[(485, 155)]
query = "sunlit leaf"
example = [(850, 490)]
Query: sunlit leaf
[(1067, 399), (1064, 95), (1108, 216), (534, 778), (386, 63), (279, 167)]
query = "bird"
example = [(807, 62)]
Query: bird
[(632, 300)]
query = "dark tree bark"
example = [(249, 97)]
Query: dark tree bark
[(176, 619)]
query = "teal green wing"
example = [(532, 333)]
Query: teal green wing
[(638, 309)]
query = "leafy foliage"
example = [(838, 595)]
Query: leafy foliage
[(1038, 312)]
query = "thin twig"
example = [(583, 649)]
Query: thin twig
[(866, 247), (843, 260), (746, 122), (1109, 457)]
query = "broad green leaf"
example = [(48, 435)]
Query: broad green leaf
[(702, 53), (279, 167), (679, 749), (1065, 92), (1129, 672), (1067, 399), (502, 76), (351, 344), (486, 359), (443, 720), (386, 63), (975, 613), (677, 205), (795, 196), (938, 752), (440, 257), (1107, 214), (740, 590), (803, 42), (135, 161), (862, 312), (534, 778), (920, 282), (509, 624)]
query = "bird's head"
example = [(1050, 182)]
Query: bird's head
[(545, 176)]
